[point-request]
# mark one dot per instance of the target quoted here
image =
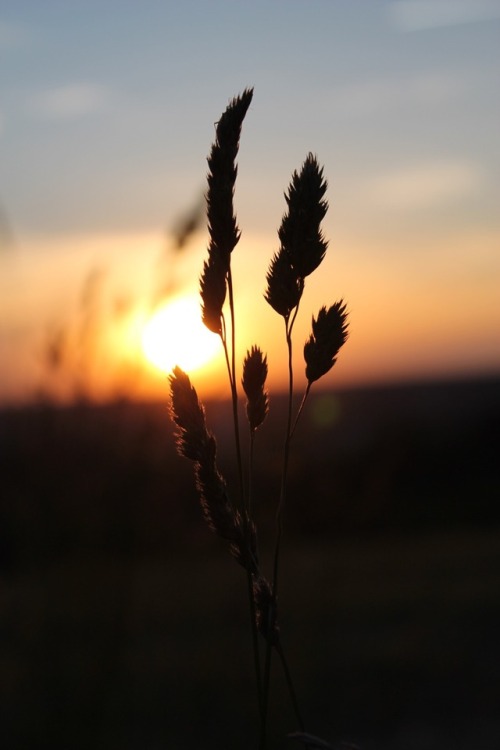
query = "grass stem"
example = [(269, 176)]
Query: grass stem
[(244, 497), (290, 685), (289, 322)]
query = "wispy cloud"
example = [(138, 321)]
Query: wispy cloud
[(419, 15), (425, 186), (70, 101)]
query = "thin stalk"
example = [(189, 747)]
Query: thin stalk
[(265, 699), (253, 609), (301, 407), (289, 323), (250, 473), (279, 525), (231, 365), (234, 393), (286, 456), (223, 337), (291, 688)]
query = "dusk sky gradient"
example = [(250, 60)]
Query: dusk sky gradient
[(107, 113)]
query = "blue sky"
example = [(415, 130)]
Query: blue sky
[(97, 95), (107, 111)]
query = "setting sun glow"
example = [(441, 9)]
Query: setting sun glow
[(175, 335)]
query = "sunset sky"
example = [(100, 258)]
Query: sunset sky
[(107, 112)]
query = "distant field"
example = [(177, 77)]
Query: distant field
[(123, 625)]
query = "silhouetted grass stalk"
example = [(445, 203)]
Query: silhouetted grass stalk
[(302, 249), (245, 498), (224, 237), (279, 533)]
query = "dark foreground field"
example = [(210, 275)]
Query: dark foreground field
[(123, 622)]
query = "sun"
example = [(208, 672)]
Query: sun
[(175, 335)]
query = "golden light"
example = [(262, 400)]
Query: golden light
[(175, 335)]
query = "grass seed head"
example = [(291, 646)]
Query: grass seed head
[(224, 233), (222, 226), (215, 504), (329, 333), (193, 439), (213, 292), (300, 233), (253, 381), (245, 552), (302, 245), (284, 286), (265, 608)]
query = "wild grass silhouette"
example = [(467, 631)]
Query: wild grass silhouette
[(301, 250)]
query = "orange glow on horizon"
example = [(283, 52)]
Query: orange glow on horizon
[(75, 328)]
